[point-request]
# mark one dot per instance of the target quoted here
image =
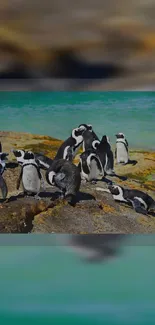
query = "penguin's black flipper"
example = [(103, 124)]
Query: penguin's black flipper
[(127, 143), (115, 153), (0, 147), (19, 179), (138, 207), (3, 187)]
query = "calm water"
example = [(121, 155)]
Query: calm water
[(46, 284), (56, 113)]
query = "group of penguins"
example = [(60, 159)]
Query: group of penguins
[(96, 161)]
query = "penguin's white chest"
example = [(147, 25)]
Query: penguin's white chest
[(94, 171), (122, 154), (30, 179)]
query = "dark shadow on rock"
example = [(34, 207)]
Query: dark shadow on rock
[(122, 178), (42, 195), (152, 214), (15, 197), (132, 162), (11, 165), (52, 195), (107, 181), (82, 196)]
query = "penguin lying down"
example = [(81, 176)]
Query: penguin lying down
[(141, 202)]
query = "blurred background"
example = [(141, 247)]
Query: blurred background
[(83, 45), (42, 282)]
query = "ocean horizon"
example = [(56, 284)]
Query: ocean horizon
[(56, 113)]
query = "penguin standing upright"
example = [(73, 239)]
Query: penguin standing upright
[(66, 176), (90, 166), (121, 152), (106, 155), (69, 147), (3, 159), (30, 175), (89, 137)]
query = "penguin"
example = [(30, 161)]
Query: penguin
[(90, 166), (105, 154), (3, 160), (141, 202), (70, 147), (89, 136), (3, 186), (121, 152), (94, 248), (66, 176), (30, 175)]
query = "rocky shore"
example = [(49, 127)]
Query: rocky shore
[(95, 212)]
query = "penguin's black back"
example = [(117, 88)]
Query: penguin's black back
[(69, 142), (89, 137), (131, 194)]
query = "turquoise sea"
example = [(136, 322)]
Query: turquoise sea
[(41, 283), (56, 113)]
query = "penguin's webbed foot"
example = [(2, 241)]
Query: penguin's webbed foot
[(83, 181), (37, 197), (62, 195)]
